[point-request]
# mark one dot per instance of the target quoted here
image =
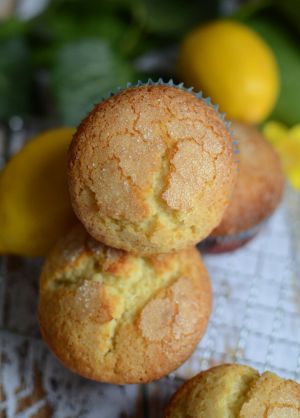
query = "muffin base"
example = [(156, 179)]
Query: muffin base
[(223, 244)]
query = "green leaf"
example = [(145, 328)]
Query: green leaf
[(173, 17), (291, 10), (53, 30), (13, 28), (62, 28), (287, 53), (87, 8), (15, 79), (84, 72)]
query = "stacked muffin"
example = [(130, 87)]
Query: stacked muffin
[(258, 192), (151, 172)]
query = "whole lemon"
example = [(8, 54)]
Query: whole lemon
[(35, 207), (234, 66)]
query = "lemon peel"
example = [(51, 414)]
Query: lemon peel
[(34, 201), (234, 66), (287, 143)]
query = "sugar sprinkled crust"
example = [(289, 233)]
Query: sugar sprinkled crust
[(151, 170), (259, 185), (235, 391), (115, 317)]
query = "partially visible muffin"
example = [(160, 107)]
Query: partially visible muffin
[(257, 193), (115, 317), (235, 391), (151, 169)]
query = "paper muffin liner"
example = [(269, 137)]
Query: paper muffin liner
[(181, 86), (226, 243)]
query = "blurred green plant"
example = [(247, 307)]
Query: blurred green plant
[(287, 53), (84, 72), (291, 10), (15, 70), (278, 22), (89, 47), (173, 17)]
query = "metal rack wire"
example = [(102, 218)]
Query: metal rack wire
[(255, 321)]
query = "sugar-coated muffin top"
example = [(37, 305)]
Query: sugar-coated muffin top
[(259, 185), (115, 317), (236, 391), (151, 169)]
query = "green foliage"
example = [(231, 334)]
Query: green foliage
[(89, 47), (13, 28), (291, 10), (84, 72), (173, 17), (287, 53), (14, 77), (52, 32)]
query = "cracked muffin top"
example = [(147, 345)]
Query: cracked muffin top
[(235, 391), (151, 170), (115, 317)]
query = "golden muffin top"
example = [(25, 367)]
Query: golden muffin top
[(236, 391), (151, 169)]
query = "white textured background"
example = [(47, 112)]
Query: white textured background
[(256, 320)]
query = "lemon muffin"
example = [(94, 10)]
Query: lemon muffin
[(257, 193), (236, 391), (115, 317), (151, 169)]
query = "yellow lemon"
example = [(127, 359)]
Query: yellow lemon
[(289, 151), (234, 66), (34, 201), (294, 133), (294, 176), (275, 131), (287, 143)]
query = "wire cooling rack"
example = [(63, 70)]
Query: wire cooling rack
[(255, 321)]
